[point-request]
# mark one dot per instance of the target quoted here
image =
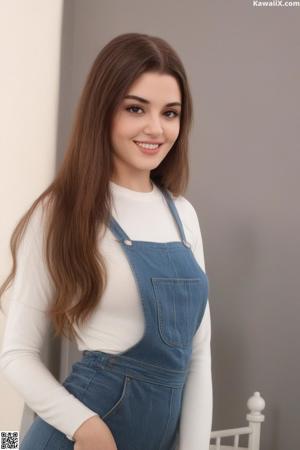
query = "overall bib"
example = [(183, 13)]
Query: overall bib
[(138, 393)]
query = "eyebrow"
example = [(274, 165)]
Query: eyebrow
[(143, 100)]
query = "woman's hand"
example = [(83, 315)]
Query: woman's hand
[(94, 434)]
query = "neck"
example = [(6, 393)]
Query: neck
[(140, 185)]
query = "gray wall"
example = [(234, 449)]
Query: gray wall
[(243, 65)]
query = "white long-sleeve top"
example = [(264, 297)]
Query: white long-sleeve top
[(117, 323)]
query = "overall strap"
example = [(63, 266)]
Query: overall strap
[(117, 230), (120, 234), (175, 214)]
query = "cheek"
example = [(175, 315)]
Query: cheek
[(121, 126), (173, 131), (127, 131)]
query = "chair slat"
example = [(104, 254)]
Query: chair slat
[(255, 404), (236, 441)]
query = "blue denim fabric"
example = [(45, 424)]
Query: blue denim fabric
[(138, 393)]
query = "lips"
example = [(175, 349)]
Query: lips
[(146, 142), (147, 150)]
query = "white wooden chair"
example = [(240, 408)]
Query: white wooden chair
[(255, 404)]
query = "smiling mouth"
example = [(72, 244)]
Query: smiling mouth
[(147, 148), (147, 145)]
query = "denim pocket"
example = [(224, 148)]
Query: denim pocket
[(180, 307), (120, 398), (79, 379), (100, 389)]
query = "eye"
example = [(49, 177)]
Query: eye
[(132, 107), (135, 107), (173, 112)]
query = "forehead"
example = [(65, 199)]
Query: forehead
[(155, 87)]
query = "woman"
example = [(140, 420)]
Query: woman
[(112, 256)]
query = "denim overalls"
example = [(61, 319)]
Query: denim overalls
[(138, 393)]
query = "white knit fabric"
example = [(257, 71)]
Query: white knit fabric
[(116, 325)]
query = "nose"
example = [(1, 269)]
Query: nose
[(154, 126)]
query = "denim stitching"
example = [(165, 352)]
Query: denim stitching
[(168, 421), (120, 400)]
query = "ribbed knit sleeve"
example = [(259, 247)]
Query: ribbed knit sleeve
[(197, 407), (26, 327)]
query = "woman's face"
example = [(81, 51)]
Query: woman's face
[(153, 117)]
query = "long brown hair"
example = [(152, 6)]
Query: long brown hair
[(78, 201)]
